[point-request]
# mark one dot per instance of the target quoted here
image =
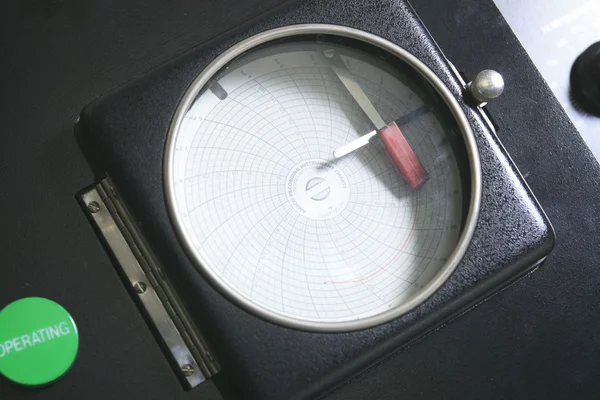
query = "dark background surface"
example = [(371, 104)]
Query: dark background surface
[(537, 339)]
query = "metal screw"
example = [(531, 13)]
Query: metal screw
[(139, 287), (187, 370), (93, 207)]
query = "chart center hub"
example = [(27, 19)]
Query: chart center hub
[(317, 189)]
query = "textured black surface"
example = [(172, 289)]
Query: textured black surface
[(126, 131), (537, 339)]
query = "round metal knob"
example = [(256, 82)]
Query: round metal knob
[(487, 85)]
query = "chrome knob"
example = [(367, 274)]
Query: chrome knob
[(487, 85)]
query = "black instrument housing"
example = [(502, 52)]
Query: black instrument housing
[(123, 134)]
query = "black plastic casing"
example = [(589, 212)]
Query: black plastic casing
[(124, 133)]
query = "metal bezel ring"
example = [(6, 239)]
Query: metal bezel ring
[(294, 30)]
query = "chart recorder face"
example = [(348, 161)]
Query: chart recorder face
[(321, 180), (316, 179)]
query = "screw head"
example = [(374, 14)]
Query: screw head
[(139, 287), (487, 85), (187, 370), (93, 207)]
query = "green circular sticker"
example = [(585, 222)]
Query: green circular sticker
[(38, 341)]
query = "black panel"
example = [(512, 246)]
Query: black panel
[(124, 133)]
